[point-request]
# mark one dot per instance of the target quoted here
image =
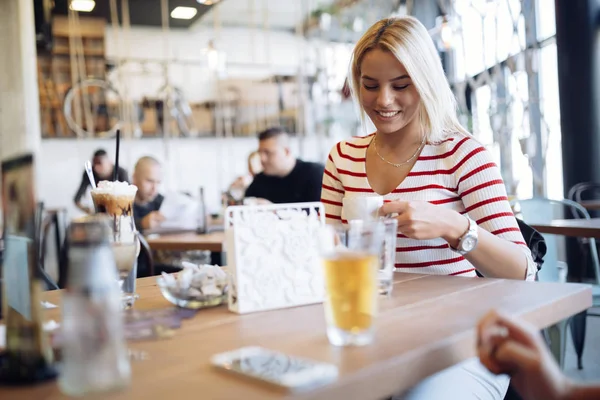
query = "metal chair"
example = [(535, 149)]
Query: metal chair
[(145, 259), (581, 192), (44, 221), (543, 210), (584, 191)]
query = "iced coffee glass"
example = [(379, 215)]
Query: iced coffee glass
[(116, 199)]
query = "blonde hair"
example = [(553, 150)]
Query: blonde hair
[(408, 40)]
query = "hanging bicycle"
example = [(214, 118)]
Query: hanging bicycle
[(94, 107), (106, 110)]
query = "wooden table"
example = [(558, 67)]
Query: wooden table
[(571, 227), (188, 241), (427, 325)]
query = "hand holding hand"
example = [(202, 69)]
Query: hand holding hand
[(505, 346)]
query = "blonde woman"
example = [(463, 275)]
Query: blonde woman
[(453, 214)]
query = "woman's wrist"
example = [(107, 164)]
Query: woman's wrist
[(456, 226)]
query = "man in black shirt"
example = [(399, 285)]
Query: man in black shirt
[(147, 176), (284, 179), (103, 170)]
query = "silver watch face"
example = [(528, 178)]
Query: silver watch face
[(468, 243)]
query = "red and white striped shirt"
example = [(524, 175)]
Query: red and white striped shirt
[(457, 173)]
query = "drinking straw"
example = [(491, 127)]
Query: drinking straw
[(117, 156), (90, 174)]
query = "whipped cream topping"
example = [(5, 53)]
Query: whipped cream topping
[(115, 188)]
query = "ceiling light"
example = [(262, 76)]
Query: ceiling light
[(208, 2), (184, 12), (325, 21), (82, 5), (446, 35), (212, 56), (443, 32)]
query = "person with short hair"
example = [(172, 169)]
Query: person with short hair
[(103, 170), (147, 176), (284, 178)]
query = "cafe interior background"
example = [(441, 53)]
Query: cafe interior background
[(228, 69), (238, 66), (225, 70)]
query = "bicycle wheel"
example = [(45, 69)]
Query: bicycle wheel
[(105, 104)]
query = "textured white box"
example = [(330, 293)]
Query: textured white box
[(273, 256)]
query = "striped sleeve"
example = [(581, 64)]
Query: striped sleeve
[(332, 191), (483, 194)]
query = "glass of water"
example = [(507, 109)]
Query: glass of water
[(387, 255), (386, 249)]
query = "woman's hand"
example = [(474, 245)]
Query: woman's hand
[(422, 220), (506, 346)]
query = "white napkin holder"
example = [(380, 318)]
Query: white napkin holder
[(273, 256)]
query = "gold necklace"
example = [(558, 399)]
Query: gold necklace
[(402, 163)]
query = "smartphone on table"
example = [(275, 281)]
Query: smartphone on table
[(275, 368)]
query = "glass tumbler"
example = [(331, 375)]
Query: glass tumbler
[(351, 258)]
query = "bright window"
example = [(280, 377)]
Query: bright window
[(491, 56)]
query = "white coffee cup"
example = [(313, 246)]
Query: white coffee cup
[(363, 208)]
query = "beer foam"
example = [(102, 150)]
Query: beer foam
[(116, 188)]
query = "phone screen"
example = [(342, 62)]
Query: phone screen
[(270, 366), (278, 368)]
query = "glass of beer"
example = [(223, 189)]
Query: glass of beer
[(351, 257)]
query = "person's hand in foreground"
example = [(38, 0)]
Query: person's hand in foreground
[(508, 346)]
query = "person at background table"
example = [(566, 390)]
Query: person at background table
[(284, 178), (438, 181), (103, 170), (235, 192), (509, 346), (147, 176)]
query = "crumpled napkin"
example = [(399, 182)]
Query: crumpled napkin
[(197, 280)]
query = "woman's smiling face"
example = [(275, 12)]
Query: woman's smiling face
[(387, 93)]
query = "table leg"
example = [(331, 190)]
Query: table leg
[(558, 341)]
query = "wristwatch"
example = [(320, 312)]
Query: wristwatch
[(468, 241)]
